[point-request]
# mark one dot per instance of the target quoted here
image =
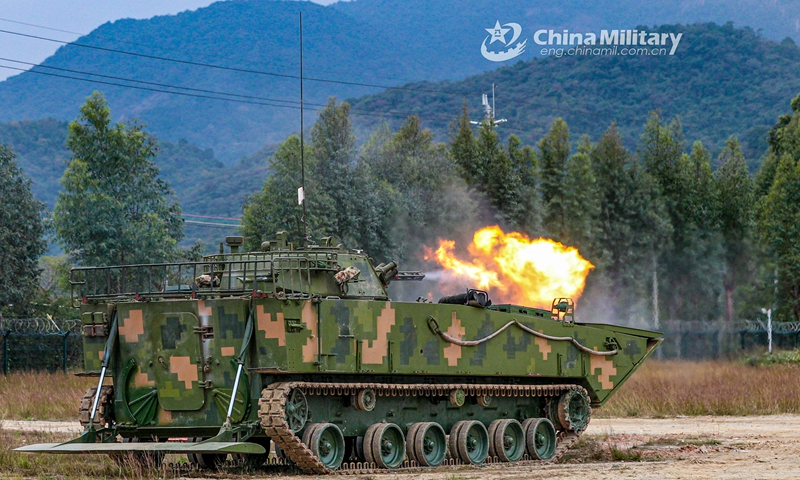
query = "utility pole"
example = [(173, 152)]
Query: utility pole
[(489, 111)]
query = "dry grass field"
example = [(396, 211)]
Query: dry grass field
[(675, 388), (707, 395), (42, 396)]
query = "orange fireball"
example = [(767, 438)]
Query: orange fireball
[(514, 268)]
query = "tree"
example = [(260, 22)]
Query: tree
[(275, 208), (343, 196), (777, 209), (780, 228), (580, 204), (631, 227), (423, 179), (21, 237), (525, 168), (735, 214), (690, 263), (501, 179), (334, 157), (464, 148), (554, 152), (113, 208)]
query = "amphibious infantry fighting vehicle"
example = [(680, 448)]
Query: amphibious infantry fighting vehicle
[(305, 349)]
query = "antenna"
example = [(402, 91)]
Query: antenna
[(489, 111), (301, 192)]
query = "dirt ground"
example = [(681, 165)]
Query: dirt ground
[(763, 447)]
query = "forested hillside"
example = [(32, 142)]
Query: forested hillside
[(452, 30), (722, 81), (350, 45)]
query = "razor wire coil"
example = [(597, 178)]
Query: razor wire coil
[(40, 326)]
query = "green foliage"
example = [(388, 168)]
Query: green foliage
[(464, 148), (783, 357), (631, 224), (580, 203), (780, 229), (21, 237), (344, 199), (53, 295), (776, 209), (427, 194), (113, 208), (275, 208), (689, 263), (41, 152), (735, 214), (554, 151)]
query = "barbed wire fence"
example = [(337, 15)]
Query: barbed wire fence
[(40, 344), (716, 339)]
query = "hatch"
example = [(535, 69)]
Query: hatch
[(178, 361)]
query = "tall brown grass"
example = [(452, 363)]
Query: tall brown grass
[(42, 396), (672, 388), (658, 389)]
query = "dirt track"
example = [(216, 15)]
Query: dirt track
[(675, 448)]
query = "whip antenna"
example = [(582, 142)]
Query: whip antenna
[(301, 192)]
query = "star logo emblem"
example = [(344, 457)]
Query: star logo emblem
[(498, 33)]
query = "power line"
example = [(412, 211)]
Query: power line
[(288, 76), (147, 88), (211, 217), (210, 65), (178, 87), (138, 44), (111, 77), (211, 224), (255, 100)]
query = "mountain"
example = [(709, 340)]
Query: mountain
[(372, 42), (257, 36), (452, 30), (722, 81)]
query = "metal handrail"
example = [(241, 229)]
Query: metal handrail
[(188, 279), (167, 279)]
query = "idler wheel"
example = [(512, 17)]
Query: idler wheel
[(573, 410), (457, 397), (540, 438), (326, 442), (506, 440), (296, 410), (426, 444), (384, 445), (469, 442), (365, 400)]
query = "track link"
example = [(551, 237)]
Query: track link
[(103, 417), (273, 415)]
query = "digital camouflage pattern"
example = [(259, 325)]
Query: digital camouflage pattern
[(323, 315)]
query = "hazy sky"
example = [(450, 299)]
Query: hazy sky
[(81, 16)]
